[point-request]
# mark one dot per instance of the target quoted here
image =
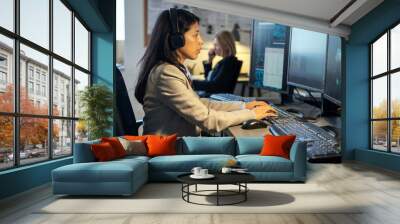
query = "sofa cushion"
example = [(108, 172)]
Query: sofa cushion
[(257, 163), (249, 145), (185, 163), (132, 158), (207, 145), (111, 171)]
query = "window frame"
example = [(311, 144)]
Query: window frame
[(16, 114), (388, 74)]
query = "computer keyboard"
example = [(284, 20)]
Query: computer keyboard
[(231, 97), (320, 144)]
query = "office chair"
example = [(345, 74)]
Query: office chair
[(125, 120), (231, 87)]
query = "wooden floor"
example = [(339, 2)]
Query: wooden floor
[(378, 189)]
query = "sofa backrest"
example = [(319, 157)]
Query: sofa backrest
[(253, 145), (249, 145), (83, 152), (191, 146), (206, 145)]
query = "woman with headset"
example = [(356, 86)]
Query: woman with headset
[(164, 84)]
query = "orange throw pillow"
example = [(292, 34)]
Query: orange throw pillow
[(277, 145), (161, 145), (103, 151), (135, 138), (116, 145)]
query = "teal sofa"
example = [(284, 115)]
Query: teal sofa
[(125, 176)]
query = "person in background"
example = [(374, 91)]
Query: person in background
[(236, 32), (164, 84), (223, 78)]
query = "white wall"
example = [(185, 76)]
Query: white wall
[(134, 48)]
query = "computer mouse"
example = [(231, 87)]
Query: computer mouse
[(254, 124), (295, 112)]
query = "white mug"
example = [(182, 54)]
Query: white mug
[(226, 170), (196, 170), (203, 172)]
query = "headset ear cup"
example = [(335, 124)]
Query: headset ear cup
[(177, 41)]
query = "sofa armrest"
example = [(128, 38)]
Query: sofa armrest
[(83, 152), (298, 155)]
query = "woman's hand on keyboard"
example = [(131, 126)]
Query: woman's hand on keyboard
[(264, 111), (254, 104)]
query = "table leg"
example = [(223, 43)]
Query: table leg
[(188, 190), (217, 194), (245, 193), (196, 187)]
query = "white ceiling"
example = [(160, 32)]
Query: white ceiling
[(317, 15), (320, 9)]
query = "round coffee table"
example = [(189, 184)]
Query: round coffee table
[(238, 179)]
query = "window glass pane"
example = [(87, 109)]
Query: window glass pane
[(6, 74), (81, 131), (120, 32), (6, 142), (379, 97), (395, 47), (33, 139), (35, 21), (395, 136), (81, 81), (7, 14), (62, 89), (37, 101), (62, 29), (81, 45), (379, 56), (395, 94), (62, 138), (379, 135)]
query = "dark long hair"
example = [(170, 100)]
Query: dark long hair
[(159, 50)]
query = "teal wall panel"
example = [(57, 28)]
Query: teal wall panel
[(356, 113), (380, 159), (24, 178)]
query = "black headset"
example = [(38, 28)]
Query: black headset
[(176, 38)]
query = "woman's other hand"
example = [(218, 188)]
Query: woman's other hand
[(264, 111), (254, 104)]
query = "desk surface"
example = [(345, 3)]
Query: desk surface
[(237, 131)]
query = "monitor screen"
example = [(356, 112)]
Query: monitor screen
[(268, 64), (333, 78), (307, 59)]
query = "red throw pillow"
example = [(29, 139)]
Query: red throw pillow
[(116, 145), (103, 151), (277, 145), (161, 145)]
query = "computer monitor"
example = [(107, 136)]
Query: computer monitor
[(269, 56), (307, 59), (333, 78)]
